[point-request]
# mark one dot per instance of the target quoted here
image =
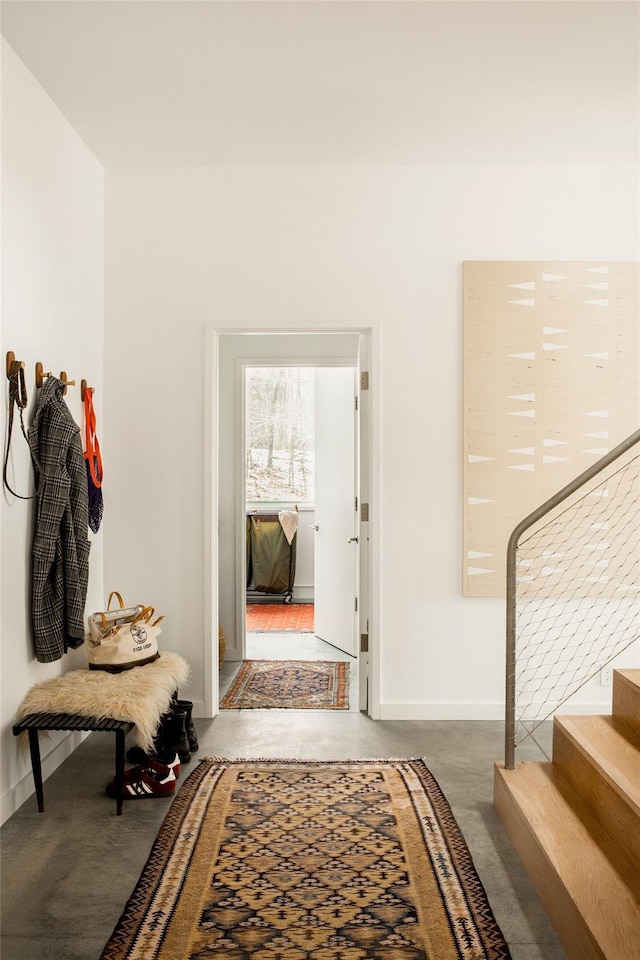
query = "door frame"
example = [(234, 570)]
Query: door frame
[(369, 473)]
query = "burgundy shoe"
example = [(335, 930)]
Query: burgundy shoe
[(154, 765), (153, 780)]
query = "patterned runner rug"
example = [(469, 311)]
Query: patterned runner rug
[(294, 684), (298, 860)]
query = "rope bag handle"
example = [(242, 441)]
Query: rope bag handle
[(114, 593), (92, 451), (145, 617)]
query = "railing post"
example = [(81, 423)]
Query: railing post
[(510, 666)]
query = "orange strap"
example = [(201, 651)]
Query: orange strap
[(92, 451)]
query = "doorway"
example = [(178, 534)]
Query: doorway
[(230, 351)]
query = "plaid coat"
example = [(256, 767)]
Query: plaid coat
[(60, 542)]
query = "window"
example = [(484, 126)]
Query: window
[(279, 434)]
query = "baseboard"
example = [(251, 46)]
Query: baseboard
[(303, 594), (472, 711), (441, 711), (25, 789)]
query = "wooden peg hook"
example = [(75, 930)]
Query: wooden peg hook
[(41, 375), (85, 389), (67, 383), (11, 361)]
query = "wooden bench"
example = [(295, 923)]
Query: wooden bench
[(138, 697), (35, 722)]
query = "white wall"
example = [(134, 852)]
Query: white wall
[(294, 248), (52, 311)]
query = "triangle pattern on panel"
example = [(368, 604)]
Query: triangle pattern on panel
[(555, 389), (474, 571)]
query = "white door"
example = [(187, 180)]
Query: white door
[(336, 518)]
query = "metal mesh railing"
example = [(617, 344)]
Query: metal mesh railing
[(573, 590)]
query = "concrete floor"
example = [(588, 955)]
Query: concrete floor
[(67, 873)]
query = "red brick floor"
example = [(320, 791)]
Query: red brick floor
[(279, 617)]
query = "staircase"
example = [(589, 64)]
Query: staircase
[(575, 823)]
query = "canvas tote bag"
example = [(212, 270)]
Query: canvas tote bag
[(122, 638)]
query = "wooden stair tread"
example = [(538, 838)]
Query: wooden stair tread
[(632, 674), (612, 748), (559, 840), (626, 697)]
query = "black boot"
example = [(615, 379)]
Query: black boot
[(192, 736), (172, 735), (170, 739)]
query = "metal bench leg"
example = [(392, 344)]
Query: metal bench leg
[(119, 769), (34, 747)]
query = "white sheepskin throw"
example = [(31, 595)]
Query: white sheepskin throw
[(140, 695)]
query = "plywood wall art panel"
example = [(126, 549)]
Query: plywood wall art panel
[(551, 383)]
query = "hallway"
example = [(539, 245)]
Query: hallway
[(67, 873)]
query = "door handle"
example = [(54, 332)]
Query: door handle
[(353, 540), (314, 526)]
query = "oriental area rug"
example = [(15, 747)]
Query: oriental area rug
[(293, 684), (279, 617), (299, 860)]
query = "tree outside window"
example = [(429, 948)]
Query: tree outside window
[(279, 434)]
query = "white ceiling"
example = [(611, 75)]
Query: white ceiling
[(155, 83)]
